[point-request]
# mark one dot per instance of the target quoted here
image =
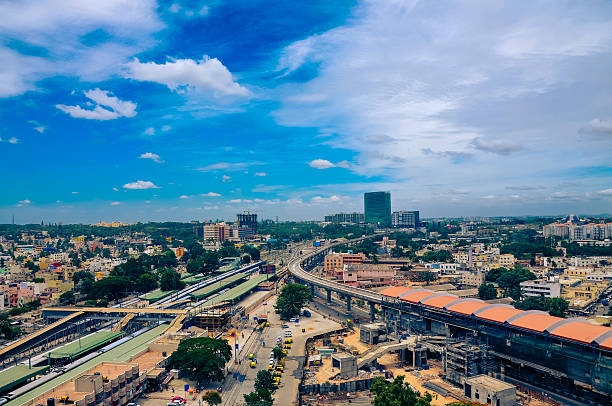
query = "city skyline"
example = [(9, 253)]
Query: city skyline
[(153, 111)]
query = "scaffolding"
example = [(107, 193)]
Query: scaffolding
[(464, 359)]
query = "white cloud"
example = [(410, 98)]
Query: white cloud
[(260, 174), (41, 129), (75, 193), (207, 74), (598, 127), (325, 164), (69, 31), (321, 164), (150, 131), (107, 107), (115, 203), (116, 189), (434, 114), (605, 192), (524, 188), (488, 197), (26, 201), (227, 166), (499, 147), (13, 140), (330, 199), (183, 197), (152, 156), (166, 128), (210, 194), (140, 185), (226, 178)]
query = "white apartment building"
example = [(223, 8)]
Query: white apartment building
[(589, 261), (443, 267), (541, 287), (599, 276)]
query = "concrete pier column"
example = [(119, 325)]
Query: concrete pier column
[(312, 292), (348, 303), (329, 295), (372, 311)]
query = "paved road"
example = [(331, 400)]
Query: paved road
[(242, 377)]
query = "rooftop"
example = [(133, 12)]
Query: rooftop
[(498, 314), (489, 382), (535, 321), (439, 301), (15, 375), (581, 331), (395, 291), (466, 306)]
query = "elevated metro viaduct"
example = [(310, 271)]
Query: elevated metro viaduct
[(570, 357)]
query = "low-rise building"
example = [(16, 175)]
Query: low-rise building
[(541, 287), (366, 275), (336, 261), (472, 278), (489, 391)]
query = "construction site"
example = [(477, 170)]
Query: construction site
[(341, 366)]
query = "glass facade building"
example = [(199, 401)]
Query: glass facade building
[(377, 206)]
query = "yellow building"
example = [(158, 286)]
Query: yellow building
[(578, 272), (335, 261), (507, 260)]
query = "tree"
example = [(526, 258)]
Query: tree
[(246, 259), (6, 330), (145, 283), (487, 291), (111, 288), (278, 352), (202, 358), (397, 393), (212, 398), (509, 280), (170, 280), (397, 252), (261, 397), (83, 281), (228, 250), (556, 306), (428, 277), (67, 297), (291, 300), (264, 380)]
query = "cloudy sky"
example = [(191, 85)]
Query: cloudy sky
[(139, 110)]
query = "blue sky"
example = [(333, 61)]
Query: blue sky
[(141, 110)]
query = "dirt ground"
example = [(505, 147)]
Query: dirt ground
[(352, 340)]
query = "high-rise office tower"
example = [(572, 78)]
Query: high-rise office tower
[(377, 207)]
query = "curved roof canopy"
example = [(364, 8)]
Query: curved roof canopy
[(395, 291), (416, 295), (578, 330), (439, 300), (533, 320), (465, 306), (497, 313)]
